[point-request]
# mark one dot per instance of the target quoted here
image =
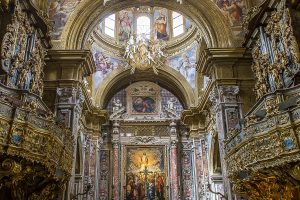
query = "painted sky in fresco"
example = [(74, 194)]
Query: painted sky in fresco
[(59, 12), (185, 63)]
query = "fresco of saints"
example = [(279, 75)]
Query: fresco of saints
[(103, 63), (233, 10), (59, 12), (160, 187), (161, 23), (185, 65), (125, 24)]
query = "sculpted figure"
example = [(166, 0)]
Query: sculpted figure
[(117, 105)]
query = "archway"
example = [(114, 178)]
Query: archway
[(167, 78)]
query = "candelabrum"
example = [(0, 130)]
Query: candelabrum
[(144, 54)]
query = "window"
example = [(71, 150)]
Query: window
[(177, 24), (143, 27), (110, 23)]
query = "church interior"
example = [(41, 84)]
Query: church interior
[(149, 100)]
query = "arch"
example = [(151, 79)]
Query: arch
[(212, 25), (167, 78)]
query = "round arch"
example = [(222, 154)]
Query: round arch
[(167, 78), (211, 23)]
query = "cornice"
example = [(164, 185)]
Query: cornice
[(76, 58), (173, 47), (228, 56)]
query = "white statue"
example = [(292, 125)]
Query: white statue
[(171, 103), (117, 105), (150, 58)]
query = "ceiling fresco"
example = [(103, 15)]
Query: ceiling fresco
[(185, 63), (59, 13), (105, 64), (160, 23)]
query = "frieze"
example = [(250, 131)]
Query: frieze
[(145, 140)]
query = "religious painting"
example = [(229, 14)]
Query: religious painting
[(143, 105), (185, 64), (233, 10), (125, 25), (59, 12), (161, 24), (145, 173), (104, 65)]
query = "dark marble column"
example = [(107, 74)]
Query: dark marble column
[(115, 160), (174, 161)]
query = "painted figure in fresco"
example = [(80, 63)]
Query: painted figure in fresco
[(161, 26), (59, 11), (144, 105), (185, 65), (103, 63), (232, 9), (125, 23), (160, 187), (130, 188), (151, 190)]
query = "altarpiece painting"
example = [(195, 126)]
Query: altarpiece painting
[(145, 173)]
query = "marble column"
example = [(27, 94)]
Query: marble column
[(68, 110), (174, 162), (228, 113), (116, 163)]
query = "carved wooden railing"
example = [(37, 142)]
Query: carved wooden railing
[(35, 151)]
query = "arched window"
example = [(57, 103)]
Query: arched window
[(109, 25), (143, 27), (177, 24)]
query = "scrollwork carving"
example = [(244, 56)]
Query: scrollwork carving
[(22, 55)]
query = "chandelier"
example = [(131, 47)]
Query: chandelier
[(143, 54), (105, 1)]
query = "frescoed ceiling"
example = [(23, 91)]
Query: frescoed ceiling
[(216, 23)]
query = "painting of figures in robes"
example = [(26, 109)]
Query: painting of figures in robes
[(161, 24), (59, 12), (105, 65), (185, 64), (145, 173), (233, 10), (125, 25)]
